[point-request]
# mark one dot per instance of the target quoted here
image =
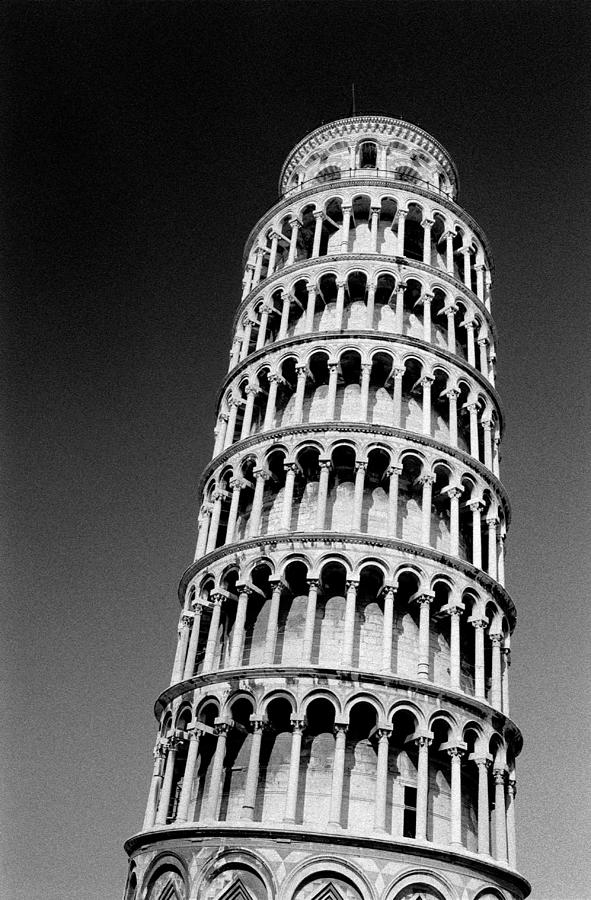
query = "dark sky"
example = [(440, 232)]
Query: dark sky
[(140, 144)]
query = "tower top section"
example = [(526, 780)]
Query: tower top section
[(369, 146)]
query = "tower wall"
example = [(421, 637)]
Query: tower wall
[(337, 723)]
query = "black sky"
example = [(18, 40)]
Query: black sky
[(141, 143)]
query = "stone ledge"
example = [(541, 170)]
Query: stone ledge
[(463, 859), (358, 676)]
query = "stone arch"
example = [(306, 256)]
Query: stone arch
[(236, 875), (321, 873), (167, 878), (425, 884)]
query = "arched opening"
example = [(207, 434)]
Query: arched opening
[(368, 155), (439, 319), (413, 233), (257, 617), (440, 406), (381, 388), (440, 510), (316, 393), (360, 232), (305, 494), (440, 637), (413, 310), (330, 611), (385, 304), (274, 492), (412, 396), (374, 513), (439, 800), (327, 288), (246, 497), (406, 626), (236, 760), (207, 744), (292, 615), (438, 243), (355, 312), (274, 762), (387, 233), (316, 760), (410, 500), (341, 489), (286, 393), (360, 768), (401, 801), (348, 398), (369, 619)]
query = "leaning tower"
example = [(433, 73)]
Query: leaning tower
[(337, 722)]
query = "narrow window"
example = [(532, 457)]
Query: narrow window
[(409, 824), (368, 155)]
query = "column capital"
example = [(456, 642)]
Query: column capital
[(222, 727), (383, 732), (453, 609), (451, 393), (402, 213), (243, 588), (427, 478), (217, 598), (297, 724), (388, 588), (295, 221), (366, 367), (313, 582), (421, 597), (159, 751), (426, 379), (352, 583), (257, 723), (185, 620), (496, 639), (401, 286), (492, 520), (398, 371), (454, 492), (456, 751), (499, 774), (512, 786), (421, 740), (482, 340), (340, 726), (261, 474), (428, 223), (361, 464), (477, 505), (290, 466), (319, 214), (426, 297), (224, 416), (478, 621), (325, 463), (219, 494), (481, 759), (237, 483), (302, 370), (275, 376), (393, 470)]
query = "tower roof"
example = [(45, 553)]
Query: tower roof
[(383, 129)]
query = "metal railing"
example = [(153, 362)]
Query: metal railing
[(330, 178)]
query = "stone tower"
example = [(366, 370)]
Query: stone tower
[(337, 722)]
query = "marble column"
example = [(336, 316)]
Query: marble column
[(272, 622), (155, 786), (381, 788), (239, 626), (424, 600), (291, 797), (483, 763), (310, 620), (212, 634), (499, 776), (388, 595), (349, 624), (217, 770), (422, 742), (393, 473), (325, 466), (338, 773), (252, 774), (188, 777), (193, 641)]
